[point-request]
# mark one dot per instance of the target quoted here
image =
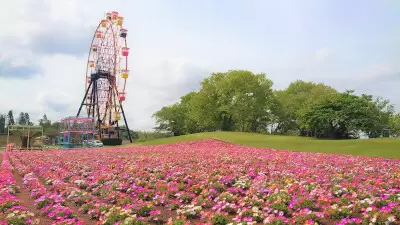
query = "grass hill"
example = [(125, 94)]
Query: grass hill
[(381, 147)]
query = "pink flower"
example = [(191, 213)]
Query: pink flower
[(247, 219), (218, 176)]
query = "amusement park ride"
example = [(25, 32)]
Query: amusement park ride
[(105, 88)]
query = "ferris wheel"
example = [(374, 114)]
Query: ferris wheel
[(106, 75)]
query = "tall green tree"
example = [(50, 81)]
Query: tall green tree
[(234, 100), (379, 111), (205, 106), (171, 118), (21, 119), (190, 125), (3, 124), (10, 118), (284, 119), (296, 100), (248, 97), (24, 119), (44, 122), (176, 118), (28, 119)]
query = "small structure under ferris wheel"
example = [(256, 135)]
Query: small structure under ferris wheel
[(76, 132), (105, 81)]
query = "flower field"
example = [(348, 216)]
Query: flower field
[(200, 182)]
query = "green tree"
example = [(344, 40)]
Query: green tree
[(380, 112), (44, 122), (10, 118), (28, 120), (344, 115), (247, 97), (55, 125), (171, 118), (284, 119), (394, 124), (176, 118), (296, 100), (236, 99), (52, 130), (205, 107), (21, 119), (190, 125), (124, 133), (3, 124)]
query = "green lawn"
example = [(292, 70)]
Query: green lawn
[(389, 148)]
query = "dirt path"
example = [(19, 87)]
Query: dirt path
[(28, 202), (71, 205)]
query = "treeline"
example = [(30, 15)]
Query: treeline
[(49, 128), (142, 136), (243, 101), (8, 119)]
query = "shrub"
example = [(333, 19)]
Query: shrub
[(339, 213), (178, 222), (16, 221), (144, 210), (280, 207), (43, 203), (220, 219)]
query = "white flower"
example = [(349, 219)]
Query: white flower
[(391, 218)]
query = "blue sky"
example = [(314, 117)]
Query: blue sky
[(175, 44)]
